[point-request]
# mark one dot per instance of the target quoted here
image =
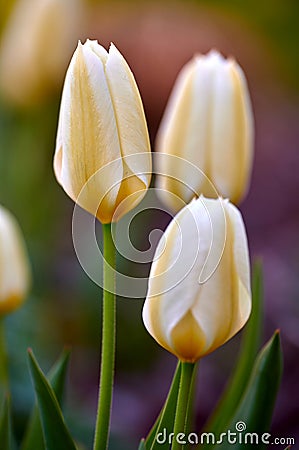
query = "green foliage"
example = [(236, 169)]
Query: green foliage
[(167, 414), (55, 432), (257, 404), (56, 377)]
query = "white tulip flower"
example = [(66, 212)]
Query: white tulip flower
[(209, 123), (199, 292), (102, 158)]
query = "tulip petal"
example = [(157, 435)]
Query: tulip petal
[(88, 128), (14, 268), (231, 132), (130, 118), (224, 302), (242, 269)]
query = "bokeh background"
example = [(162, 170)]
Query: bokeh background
[(64, 306)]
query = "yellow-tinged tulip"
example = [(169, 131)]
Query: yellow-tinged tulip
[(199, 286), (14, 265), (208, 121), (102, 158), (36, 45)]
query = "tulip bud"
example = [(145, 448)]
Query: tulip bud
[(102, 158), (208, 122), (35, 48), (199, 286), (14, 265)]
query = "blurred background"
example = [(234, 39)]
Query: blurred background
[(157, 37)]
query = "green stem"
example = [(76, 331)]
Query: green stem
[(3, 358), (108, 343), (182, 403)]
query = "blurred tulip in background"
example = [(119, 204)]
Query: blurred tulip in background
[(14, 264), (35, 48), (208, 121)]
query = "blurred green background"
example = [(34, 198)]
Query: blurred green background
[(64, 306)]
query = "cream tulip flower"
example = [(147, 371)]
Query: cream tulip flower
[(199, 286), (209, 123), (102, 158), (31, 64), (14, 264)]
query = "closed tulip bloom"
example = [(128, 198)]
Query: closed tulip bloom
[(14, 264), (209, 123), (199, 286), (102, 158), (31, 65)]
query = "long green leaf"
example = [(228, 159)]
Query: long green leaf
[(5, 426), (248, 351), (34, 435), (55, 432), (167, 414), (257, 404)]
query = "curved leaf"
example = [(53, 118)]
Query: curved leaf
[(257, 404), (167, 414), (56, 434), (34, 435)]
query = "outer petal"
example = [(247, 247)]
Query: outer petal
[(231, 131), (130, 118), (185, 130), (223, 306), (87, 140), (14, 267)]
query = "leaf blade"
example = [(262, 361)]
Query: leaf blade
[(257, 404), (54, 428), (33, 437), (167, 414)]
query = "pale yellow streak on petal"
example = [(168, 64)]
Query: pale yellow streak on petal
[(129, 114), (173, 138), (90, 139), (244, 125)]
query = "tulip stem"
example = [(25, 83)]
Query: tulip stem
[(3, 361), (181, 416), (108, 343)]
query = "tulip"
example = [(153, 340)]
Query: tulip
[(102, 158), (208, 124), (199, 286), (14, 265), (36, 45)]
